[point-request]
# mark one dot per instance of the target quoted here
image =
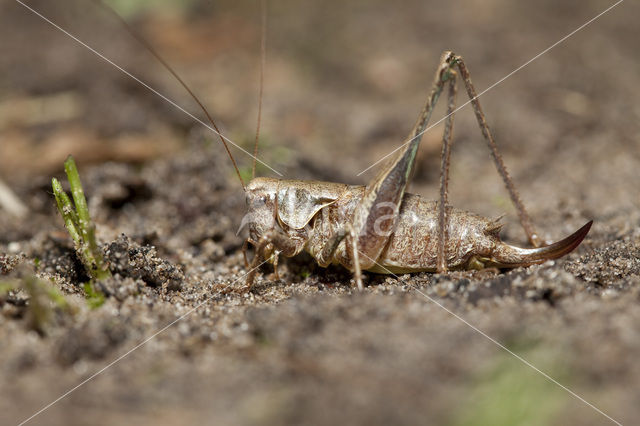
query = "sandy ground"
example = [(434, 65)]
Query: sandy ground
[(343, 85)]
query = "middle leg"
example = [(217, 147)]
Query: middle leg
[(325, 257)]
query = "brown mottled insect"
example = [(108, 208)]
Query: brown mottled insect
[(378, 227), (382, 229)]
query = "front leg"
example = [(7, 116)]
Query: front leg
[(273, 240)]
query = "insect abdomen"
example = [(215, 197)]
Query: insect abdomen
[(413, 245)]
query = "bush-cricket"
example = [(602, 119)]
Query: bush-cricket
[(379, 227)]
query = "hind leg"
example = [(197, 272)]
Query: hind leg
[(443, 219), (524, 217)]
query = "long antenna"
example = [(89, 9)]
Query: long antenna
[(159, 58), (263, 60)]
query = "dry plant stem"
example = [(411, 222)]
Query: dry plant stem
[(524, 217), (447, 141), (10, 202)]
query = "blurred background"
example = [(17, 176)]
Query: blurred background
[(344, 82), (343, 85)]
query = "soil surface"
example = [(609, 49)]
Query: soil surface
[(344, 82)]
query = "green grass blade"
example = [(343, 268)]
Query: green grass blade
[(66, 210), (82, 210), (78, 222)]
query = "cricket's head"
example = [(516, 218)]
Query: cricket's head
[(261, 207), (491, 251)]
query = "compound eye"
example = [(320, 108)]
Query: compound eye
[(259, 201)]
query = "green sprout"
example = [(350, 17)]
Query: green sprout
[(305, 273), (78, 222), (43, 297), (95, 298)]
